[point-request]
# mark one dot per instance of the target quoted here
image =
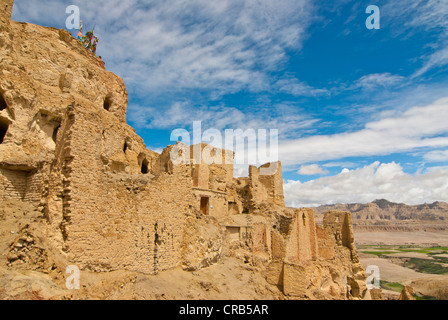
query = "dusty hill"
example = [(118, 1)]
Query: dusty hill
[(389, 216)]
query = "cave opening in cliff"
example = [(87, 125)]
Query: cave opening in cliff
[(107, 103), (3, 104), (145, 166), (4, 126), (55, 133), (205, 205)]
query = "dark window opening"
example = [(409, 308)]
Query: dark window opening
[(145, 166), (3, 104), (55, 133), (3, 129), (205, 204), (233, 208), (125, 147), (107, 104)]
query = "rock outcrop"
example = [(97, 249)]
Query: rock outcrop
[(407, 293), (107, 203), (383, 215)]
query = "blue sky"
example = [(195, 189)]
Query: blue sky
[(362, 114)]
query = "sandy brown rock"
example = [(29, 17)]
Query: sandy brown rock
[(406, 293)]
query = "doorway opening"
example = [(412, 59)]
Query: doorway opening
[(205, 205), (4, 126), (107, 103), (3, 104), (145, 166)]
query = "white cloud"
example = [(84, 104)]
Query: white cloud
[(182, 114), (375, 80), (406, 16), (312, 169), (295, 87), (375, 181), (176, 45), (436, 156), (437, 59), (344, 164), (417, 127)]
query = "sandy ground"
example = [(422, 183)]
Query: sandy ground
[(229, 279), (419, 238), (392, 271)]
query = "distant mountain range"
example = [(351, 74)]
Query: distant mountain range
[(386, 215)]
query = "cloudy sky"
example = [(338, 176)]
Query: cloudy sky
[(362, 114)]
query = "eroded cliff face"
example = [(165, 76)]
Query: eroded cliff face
[(98, 199), (383, 215)]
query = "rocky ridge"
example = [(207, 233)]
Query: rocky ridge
[(383, 215)]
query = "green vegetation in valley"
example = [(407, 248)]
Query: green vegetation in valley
[(425, 265), (379, 253), (398, 287), (393, 286), (382, 250)]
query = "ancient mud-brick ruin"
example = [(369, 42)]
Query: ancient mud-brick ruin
[(109, 203)]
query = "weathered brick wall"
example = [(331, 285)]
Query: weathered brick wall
[(340, 225), (116, 220), (35, 185), (301, 241), (13, 184), (273, 182), (325, 243), (264, 187), (22, 185), (218, 205)]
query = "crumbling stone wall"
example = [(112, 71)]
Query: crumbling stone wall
[(325, 243), (260, 187), (308, 261), (339, 224), (120, 219)]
